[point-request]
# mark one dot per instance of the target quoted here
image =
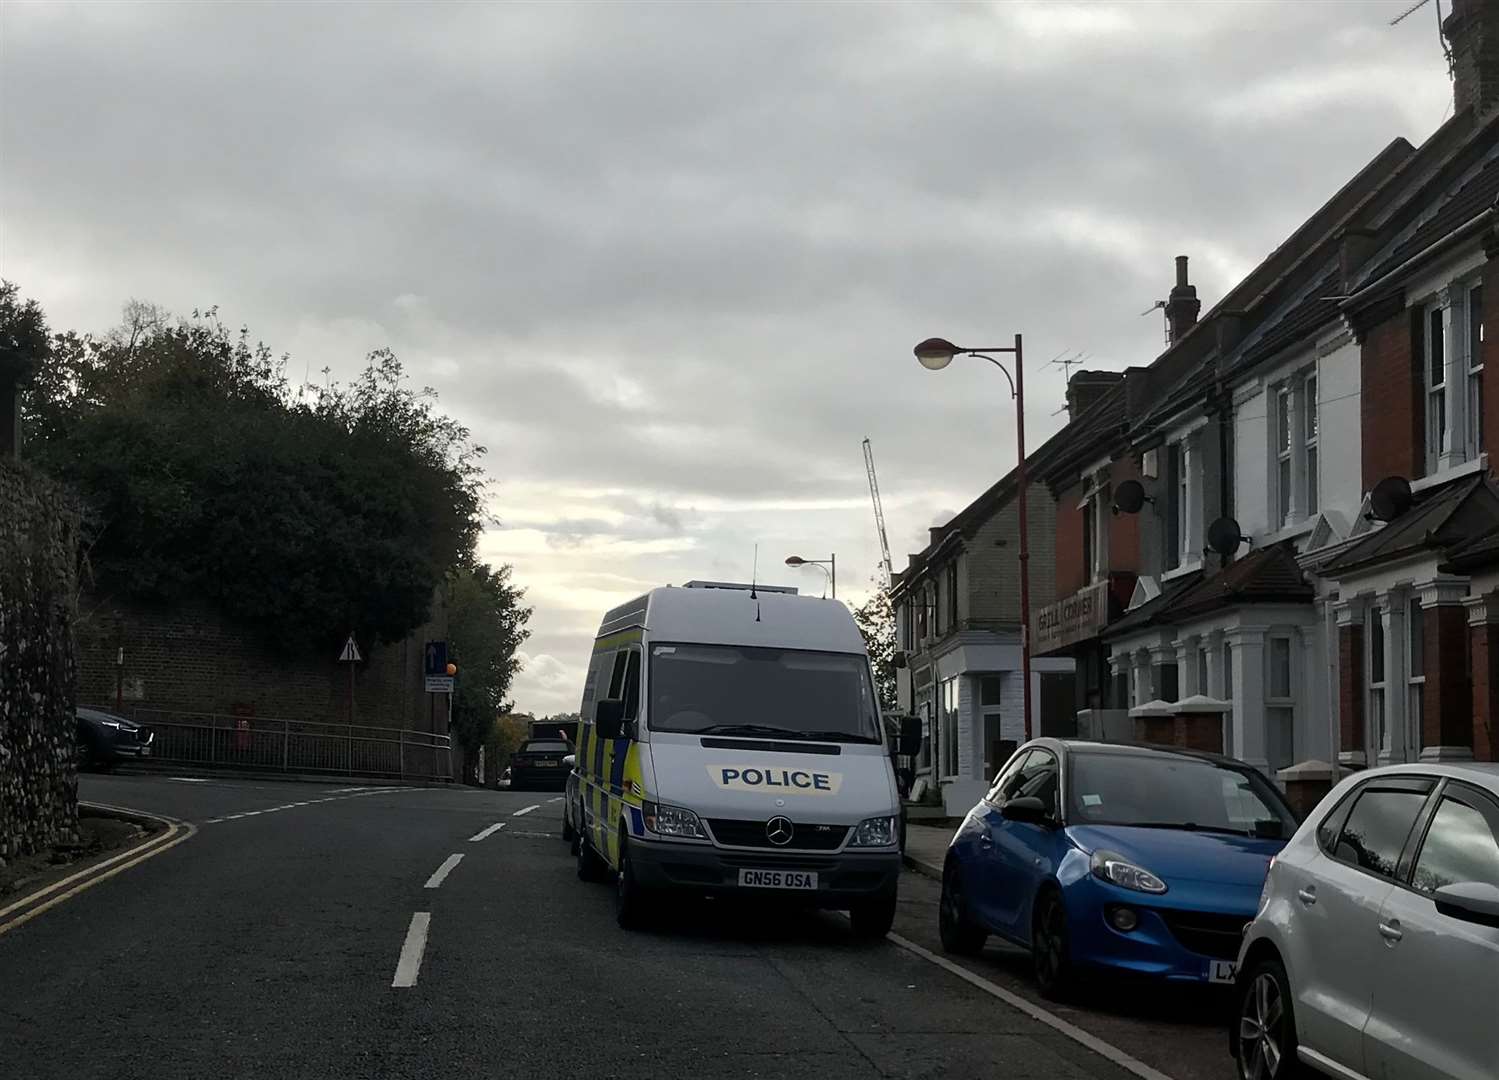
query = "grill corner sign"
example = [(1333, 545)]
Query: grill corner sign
[(1071, 619)]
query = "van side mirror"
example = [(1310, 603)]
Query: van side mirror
[(898, 660), (909, 742), (609, 718)]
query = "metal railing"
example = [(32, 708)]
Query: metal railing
[(295, 746)]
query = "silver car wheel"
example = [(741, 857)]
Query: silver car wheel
[(1261, 1030)]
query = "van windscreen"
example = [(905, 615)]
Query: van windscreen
[(772, 693)]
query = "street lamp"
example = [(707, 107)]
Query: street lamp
[(829, 566), (934, 355)]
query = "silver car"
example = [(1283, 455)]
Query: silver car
[(1375, 952)]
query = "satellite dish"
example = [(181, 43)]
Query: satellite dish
[(1129, 497), (1224, 536), (1390, 498)]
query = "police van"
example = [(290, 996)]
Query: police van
[(731, 743)]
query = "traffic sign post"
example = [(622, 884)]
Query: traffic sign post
[(437, 678), (350, 656)]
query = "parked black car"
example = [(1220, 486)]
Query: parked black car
[(538, 764), (105, 739)]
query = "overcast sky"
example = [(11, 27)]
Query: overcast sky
[(668, 261)]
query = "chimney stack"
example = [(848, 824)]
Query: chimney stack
[(1472, 33), (1085, 388), (1182, 306)]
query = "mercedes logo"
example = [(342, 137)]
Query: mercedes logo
[(779, 831)]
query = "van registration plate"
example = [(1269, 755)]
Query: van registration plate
[(777, 879), (1221, 971)]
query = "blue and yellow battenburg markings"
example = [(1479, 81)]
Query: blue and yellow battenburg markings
[(613, 783)]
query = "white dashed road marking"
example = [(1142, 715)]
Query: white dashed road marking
[(411, 952), (188, 779), (338, 795), (526, 810), (557, 799), (482, 833), (443, 871)]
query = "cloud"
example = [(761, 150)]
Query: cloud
[(667, 261)]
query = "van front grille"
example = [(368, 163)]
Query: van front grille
[(733, 832)]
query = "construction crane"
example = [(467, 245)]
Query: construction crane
[(879, 513)]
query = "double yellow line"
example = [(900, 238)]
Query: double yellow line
[(87, 878)]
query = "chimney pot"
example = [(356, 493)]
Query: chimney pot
[(1183, 306)]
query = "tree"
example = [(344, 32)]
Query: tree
[(486, 625), (300, 513), (876, 621), (24, 349)]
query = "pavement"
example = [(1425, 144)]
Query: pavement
[(314, 931), (926, 848)]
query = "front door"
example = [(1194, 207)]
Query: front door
[(1022, 850), (983, 876), (1435, 973)]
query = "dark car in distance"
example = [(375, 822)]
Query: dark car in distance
[(104, 739), (538, 764)]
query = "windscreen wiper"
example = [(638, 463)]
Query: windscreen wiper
[(748, 729), (1188, 826), (840, 736)]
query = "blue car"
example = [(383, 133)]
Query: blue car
[(1137, 860)]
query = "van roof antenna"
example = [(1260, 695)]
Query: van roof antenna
[(755, 574)]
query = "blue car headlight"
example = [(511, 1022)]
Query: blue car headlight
[(1117, 870)]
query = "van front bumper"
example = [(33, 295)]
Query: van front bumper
[(842, 878)]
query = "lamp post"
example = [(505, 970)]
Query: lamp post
[(934, 355), (829, 567)]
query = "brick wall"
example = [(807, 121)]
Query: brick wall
[(1069, 542), (1124, 529), (993, 561), (1447, 700), (191, 659), (1392, 419), (1484, 641), (38, 783)]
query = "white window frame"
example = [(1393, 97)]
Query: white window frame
[(948, 756), (1434, 317), (1095, 507), (1284, 446), (1473, 354), (1415, 695), (1376, 709), (1311, 427), (1294, 458)]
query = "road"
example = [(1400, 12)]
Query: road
[(267, 945)]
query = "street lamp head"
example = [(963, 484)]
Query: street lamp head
[(795, 560), (936, 353)]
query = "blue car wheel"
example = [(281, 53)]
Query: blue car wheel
[(959, 934), (1051, 946)]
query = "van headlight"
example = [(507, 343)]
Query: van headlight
[(1117, 870), (874, 832), (672, 821)]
